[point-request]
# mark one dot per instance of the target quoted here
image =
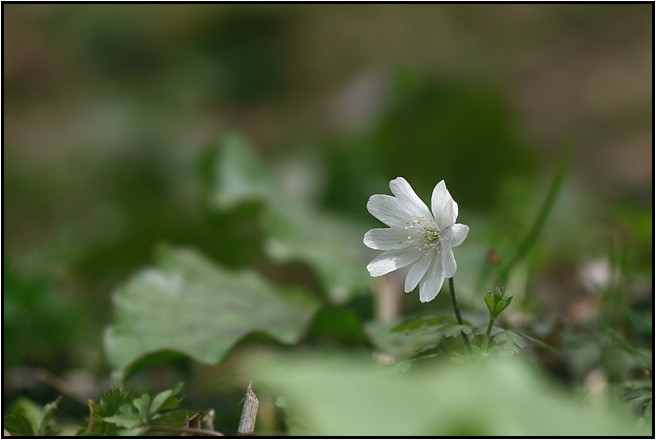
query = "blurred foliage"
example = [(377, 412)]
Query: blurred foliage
[(120, 412), (27, 418), (210, 166), (439, 400), (229, 54), (189, 305), (533, 234), (432, 128), (39, 322), (292, 231)]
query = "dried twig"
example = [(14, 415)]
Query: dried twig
[(249, 412)]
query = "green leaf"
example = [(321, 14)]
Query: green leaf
[(455, 331), (639, 395), (330, 245), (330, 395), (165, 400), (416, 338), (142, 404), (171, 403), (112, 401), (238, 175), (497, 301), (39, 417), (18, 425), (538, 343), (119, 408), (47, 425), (510, 342), (124, 420), (295, 232), (400, 345), (126, 416), (109, 405), (188, 304)]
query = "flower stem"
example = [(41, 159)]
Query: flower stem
[(457, 311)]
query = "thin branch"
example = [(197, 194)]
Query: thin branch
[(60, 385)]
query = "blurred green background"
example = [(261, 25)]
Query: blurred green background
[(115, 115)]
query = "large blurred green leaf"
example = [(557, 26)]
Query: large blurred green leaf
[(331, 396), (294, 232), (331, 246), (190, 305)]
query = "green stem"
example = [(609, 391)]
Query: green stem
[(538, 224), (457, 311), (487, 333)]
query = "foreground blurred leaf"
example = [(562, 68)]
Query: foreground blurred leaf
[(18, 425), (331, 396), (190, 305), (294, 231), (27, 416)]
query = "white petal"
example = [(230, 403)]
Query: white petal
[(445, 218), (449, 265), (417, 271), (387, 209), (408, 199), (456, 234), (392, 260), (390, 238), (439, 200), (431, 283)]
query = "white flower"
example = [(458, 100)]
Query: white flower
[(415, 237)]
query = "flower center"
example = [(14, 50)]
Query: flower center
[(427, 235), (431, 234)]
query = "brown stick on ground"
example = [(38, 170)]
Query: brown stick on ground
[(249, 412)]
